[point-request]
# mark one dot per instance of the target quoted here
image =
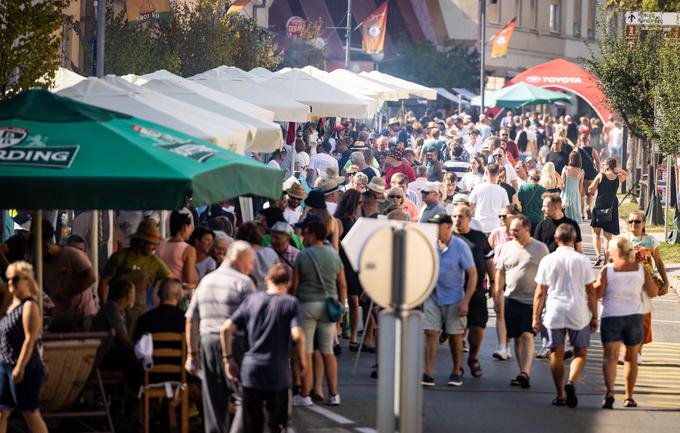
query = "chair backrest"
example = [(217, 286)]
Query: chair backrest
[(169, 355)]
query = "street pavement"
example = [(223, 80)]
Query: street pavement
[(490, 404)]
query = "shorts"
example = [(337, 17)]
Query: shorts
[(478, 313), (25, 395), (317, 326), (518, 318), (626, 329), (443, 316), (577, 338)]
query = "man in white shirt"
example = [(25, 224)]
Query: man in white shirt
[(565, 287), (322, 160), (484, 128), (417, 185), (488, 198), (510, 174), (293, 211)]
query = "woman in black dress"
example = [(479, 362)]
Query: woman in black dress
[(606, 211)]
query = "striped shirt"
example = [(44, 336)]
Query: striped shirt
[(218, 296)]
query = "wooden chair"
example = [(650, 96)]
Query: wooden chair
[(173, 360)]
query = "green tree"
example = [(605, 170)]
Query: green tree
[(307, 49), (667, 93), (30, 42), (644, 5), (450, 65)]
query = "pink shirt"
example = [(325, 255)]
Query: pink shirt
[(171, 254)]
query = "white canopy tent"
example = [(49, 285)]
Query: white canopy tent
[(285, 108), (323, 99), (371, 98), (260, 73), (414, 89), (64, 78), (350, 80), (115, 93), (266, 135)]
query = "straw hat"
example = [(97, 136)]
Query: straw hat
[(330, 182), (358, 145), (377, 184), (148, 231), (297, 191), (393, 121)]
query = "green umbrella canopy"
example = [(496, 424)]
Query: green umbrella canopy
[(56, 153), (523, 94)]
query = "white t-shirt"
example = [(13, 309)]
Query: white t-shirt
[(274, 164), (488, 199), (566, 273), (292, 215), (469, 180), (302, 160), (322, 161)]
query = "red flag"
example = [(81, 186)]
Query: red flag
[(373, 29), (501, 40)]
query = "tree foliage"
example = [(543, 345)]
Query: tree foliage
[(668, 95), (451, 65), (643, 5), (30, 42), (307, 49)]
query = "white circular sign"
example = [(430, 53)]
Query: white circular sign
[(421, 267)]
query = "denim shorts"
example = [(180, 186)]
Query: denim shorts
[(25, 395), (577, 338), (626, 329)]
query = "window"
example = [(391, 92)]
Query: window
[(518, 13), (577, 17), (493, 11), (555, 17), (592, 14), (533, 14)]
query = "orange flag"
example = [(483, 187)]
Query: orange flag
[(373, 30), (501, 40)]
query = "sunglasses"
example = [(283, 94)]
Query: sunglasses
[(15, 279), (635, 222), (394, 196), (498, 156), (504, 135), (351, 174), (425, 192), (502, 216)]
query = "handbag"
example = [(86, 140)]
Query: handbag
[(603, 215), (333, 307)]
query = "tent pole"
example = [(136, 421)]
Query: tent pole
[(3, 221), (109, 240), (482, 54), (667, 199), (94, 243), (37, 229)]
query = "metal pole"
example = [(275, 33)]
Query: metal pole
[(37, 229), (94, 242), (482, 54), (624, 154), (3, 221), (101, 26), (109, 225), (348, 36), (667, 200)]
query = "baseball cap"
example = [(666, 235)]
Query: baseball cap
[(441, 218)]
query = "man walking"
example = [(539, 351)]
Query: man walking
[(565, 287), (429, 193), (488, 198), (554, 217), (516, 267), (270, 319), (482, 254), (217, 297), (447, 306)]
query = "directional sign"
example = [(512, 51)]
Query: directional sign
[(652, 18)]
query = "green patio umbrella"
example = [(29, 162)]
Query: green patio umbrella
[(524, 95), (56, 153)]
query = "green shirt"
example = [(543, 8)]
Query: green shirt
[(330, 265), (529, 196), (143, 271)]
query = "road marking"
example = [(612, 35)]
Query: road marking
[(366, 430), (331, 415), (665, 321)]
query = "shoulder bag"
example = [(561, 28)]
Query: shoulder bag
[(333, 307)]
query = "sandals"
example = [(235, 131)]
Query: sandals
[(608, 402), (475, 368), (559, 402), (570, 390), (523, 380), (629, 402), (599, 262), (367, 349), (353, 346)]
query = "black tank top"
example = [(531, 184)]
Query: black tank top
[(12, 337)]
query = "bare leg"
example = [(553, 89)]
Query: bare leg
[(331, 373), (35, 422), (353, 318), (611, 355), (318, 372), (369, 327), (597, 242), (308, 376), (607, 237), (431, 345), (4, 417), (501, 330), (578, 363), (524, 347), (456, 346), (630, 369), (475, 338), (557, 369)]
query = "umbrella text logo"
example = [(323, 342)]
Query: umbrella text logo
[(177, 145), (11, 136), (35, 153)]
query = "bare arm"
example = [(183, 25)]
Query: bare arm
[(658, 262), (295, 283), (189, 273), (498, 292), (298, 337), (601, 283), (539, 303), (650, 286), (342, 287), (579, 247), (593, 186), (191, 331), (32, 322), (103, 289), (515, 201), (592, 305), (469, 290), (515, 184)]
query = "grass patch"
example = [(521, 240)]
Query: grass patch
[(670, 253), (627, 207)]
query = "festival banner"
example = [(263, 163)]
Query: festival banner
[(142, 10), (237, 5), (373, 30), (501, 40)]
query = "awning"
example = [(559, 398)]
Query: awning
[(446, 94), (465, 93)]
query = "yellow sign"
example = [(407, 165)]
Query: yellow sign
[(142, 10)]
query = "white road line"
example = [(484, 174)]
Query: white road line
[(665, 321), (366, 430), (331, 415)]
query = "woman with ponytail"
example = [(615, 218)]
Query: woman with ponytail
[(622, 285)]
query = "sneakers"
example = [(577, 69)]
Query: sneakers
[(455, 380), (543, 353), (300, 401), (502, 353), (333, 400), (466, 349), (427, 380)]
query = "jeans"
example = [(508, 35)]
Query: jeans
[(276, 405), (217, 390)]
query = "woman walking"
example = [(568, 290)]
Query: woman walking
[(572, 177), (21, 370), (531, 197), (606, 212), (621, 285), (550, 179)]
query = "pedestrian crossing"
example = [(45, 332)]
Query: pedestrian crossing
[(658, 382)]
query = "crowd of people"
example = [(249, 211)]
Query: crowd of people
[(508, 198)]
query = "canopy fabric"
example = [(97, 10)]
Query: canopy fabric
[(560, 74), (489, 99), (352, 81), (241, 105), (523, 95), (260, 73), (465, 93), (114, 93), (285, 109), (64, 78), (61, 154), (446, 94), (324, 99), (413, 88)]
